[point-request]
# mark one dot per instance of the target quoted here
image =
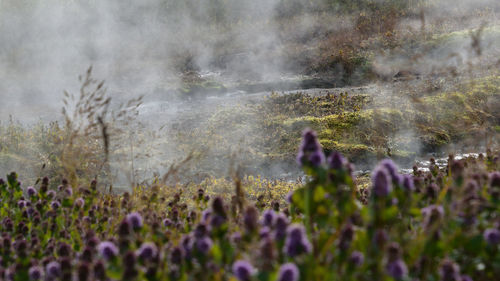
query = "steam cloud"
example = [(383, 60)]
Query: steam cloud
[(141, 47)]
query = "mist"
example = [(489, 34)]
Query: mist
[(151, 48), (138, 47)]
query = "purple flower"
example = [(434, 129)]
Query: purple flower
[(205, 215), (380, 238), (124, 228), (432, 190), (296, 241), (21, 204), (167, 222), (236, 237), (177, 255), (147, 251), (31, 191), (268, 218), (457, 168), (68, 191), (281, 226), (492, 236), (495, 179), (466, 278), (251, 218), (218, 206), (107, 250), (55, 205), (51, 194), (427, 211), (392, 169), (35, 272), (187, 244), (346, 236), (288, 272), (79, 202), (357, 258), (264, 232), (397, 269), (10, 273), (408, 183), (64, 249), (217, 220), (201, 230), (129, 260), (336, 161), (317, 158), (432, 214), (135, 220), (381, 182), (310, 152), (100, 271), (449, 271), (243, 270), (204, 244), (53, 269)]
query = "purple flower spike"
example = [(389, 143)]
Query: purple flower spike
[(408, 183), (135, 220), (495, 179), (35, 273), (397, 269), (68, 191), (265, 232), (432, 214), (147, 251), (357, 258), (79, 202), (167, 222), (391, 168), (187, 244), (204, 244), (336, 161), (268, 218), (205, 215), (289, 272), (492, 236), (310, 151), (381, 181), (449, 271), (281, 226), (317, 158), (243, 270), (55, 205), (21, 204), (31, 191), (296, 241), (201, 230), (177, 255), (51, 194), (53, 269), (107, 250)]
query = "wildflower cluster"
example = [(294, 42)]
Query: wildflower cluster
[(440, 224)]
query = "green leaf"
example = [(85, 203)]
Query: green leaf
[(217, 253), (319, 194)]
